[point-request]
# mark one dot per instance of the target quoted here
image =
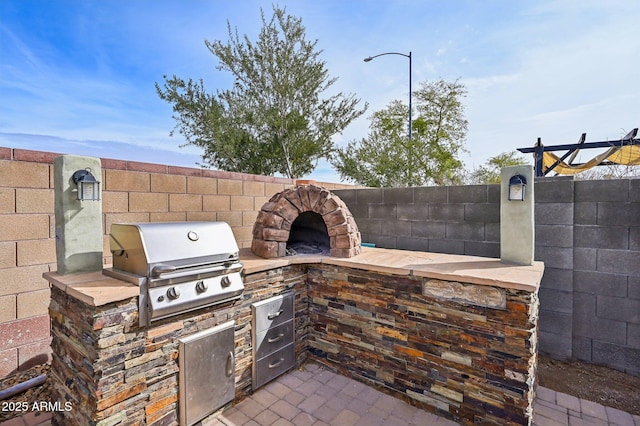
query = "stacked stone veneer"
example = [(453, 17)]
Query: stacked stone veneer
[(114, 372), (463, 351), (273, 224)]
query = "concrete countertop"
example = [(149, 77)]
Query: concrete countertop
[(97, 289), (449, 267), (94, 288)]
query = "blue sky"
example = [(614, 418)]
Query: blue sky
[(78, 77)]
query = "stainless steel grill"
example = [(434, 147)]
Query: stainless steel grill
[(179, 266)]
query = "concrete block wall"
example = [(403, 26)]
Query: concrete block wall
[(606, 305), (554, 210), (27, 250), (455, 219), (587, 234)]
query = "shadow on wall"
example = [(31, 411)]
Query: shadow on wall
[(30, 363)]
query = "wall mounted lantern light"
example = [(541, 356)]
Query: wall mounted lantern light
[(88, 186), (517, 186)]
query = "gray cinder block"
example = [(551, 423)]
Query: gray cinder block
[(428, 229), (617, 356), (554, 191), (397, 195), (484, 212), (556, 345), (370, 196), (447, 212), (430, 194), (554, 214), (468, 194), (609, 237), (618, 308), (599, 283), (414, 212), (446, 246), (618, 261), (482, 248), (554, 235), (602, 190)]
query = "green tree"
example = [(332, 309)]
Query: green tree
[(274, 118), (387, 157), (490, 172)]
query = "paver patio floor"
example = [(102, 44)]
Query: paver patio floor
[(316, 396)]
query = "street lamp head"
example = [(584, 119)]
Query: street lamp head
[(368, 59)]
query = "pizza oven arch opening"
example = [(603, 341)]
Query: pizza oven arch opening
[(308, 235), (307, 216)]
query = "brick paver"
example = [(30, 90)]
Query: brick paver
[(619, 418), (569, 402)]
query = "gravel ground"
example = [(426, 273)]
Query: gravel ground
[(22, 403), (603, 385)]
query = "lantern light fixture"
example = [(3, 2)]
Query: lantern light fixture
[(517, 187), (88, 186)]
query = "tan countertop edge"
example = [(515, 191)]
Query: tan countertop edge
[(93, 288), (449, 267), (97, 289)]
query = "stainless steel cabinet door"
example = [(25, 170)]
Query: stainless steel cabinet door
[(207, 372)]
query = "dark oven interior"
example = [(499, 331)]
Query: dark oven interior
[(308, 235)]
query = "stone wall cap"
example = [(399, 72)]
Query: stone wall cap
[(94, 288), (449, 267)]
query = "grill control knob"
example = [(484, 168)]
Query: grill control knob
[(201, 286), (173, 293), (225, 281)]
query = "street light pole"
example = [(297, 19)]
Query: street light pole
[(406, 56)]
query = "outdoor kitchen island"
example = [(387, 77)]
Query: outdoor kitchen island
[(454, 335)]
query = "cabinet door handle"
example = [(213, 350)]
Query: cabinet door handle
[(275, 339), (275, 315), (277, 363), (231, 364)]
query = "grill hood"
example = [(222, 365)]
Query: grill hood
[(152, 249)]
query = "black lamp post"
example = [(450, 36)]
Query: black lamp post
[(406, 56)]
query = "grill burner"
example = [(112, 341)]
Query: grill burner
[(179, 266)]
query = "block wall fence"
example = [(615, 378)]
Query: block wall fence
[(131, 192), (586, 232)]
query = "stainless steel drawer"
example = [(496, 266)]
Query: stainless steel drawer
[(272, 312), (273, 365), (273, 339)]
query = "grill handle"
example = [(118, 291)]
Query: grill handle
[(162, 269)]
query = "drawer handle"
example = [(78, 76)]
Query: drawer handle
[(277, 363), (276, 315), (275, 339)]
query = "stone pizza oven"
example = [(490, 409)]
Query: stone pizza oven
[(306, 219)]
